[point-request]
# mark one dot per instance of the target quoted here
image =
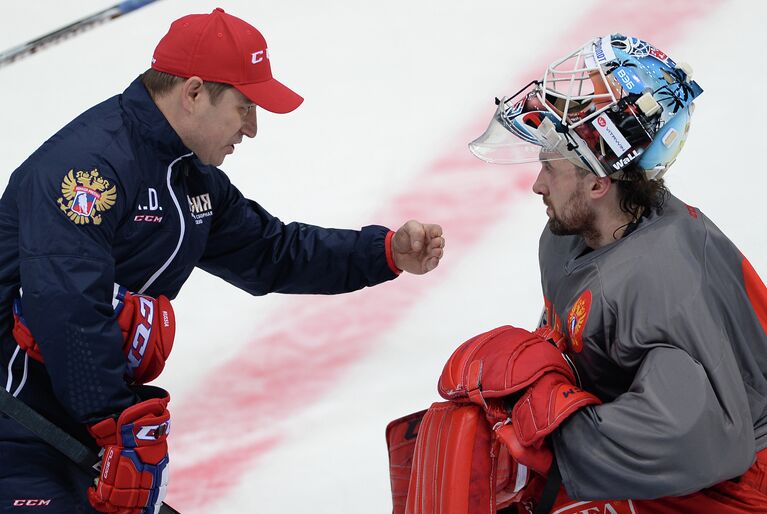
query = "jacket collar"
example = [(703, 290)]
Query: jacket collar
[(152, 124)]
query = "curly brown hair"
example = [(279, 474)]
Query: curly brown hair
[(638, 194)]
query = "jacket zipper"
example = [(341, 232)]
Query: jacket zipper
[(182, 226)]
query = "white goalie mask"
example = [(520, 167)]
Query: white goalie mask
[(615, 103)]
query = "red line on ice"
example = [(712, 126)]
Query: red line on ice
[(235, 412)]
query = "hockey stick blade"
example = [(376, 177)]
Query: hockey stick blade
[(35, 45), (55, 437)]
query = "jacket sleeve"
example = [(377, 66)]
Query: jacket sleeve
[(672, 433), (258, 253), (66, 224)]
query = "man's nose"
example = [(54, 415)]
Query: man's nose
[(539, 187), (250, 125)]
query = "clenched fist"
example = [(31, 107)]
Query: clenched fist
[(417, 247)]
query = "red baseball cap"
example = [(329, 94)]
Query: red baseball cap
[(219, 47)]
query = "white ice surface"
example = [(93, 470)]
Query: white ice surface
[(390, 88)]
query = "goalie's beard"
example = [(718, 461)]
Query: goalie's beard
[(574, 217)]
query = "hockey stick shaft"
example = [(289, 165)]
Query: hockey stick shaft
[(30, 47), (54, 436)]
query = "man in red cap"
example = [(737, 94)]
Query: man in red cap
[(129, 193)]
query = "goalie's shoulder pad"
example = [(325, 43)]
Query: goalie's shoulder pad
[(498, 363)]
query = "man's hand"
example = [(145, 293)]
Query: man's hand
[(417, 248)]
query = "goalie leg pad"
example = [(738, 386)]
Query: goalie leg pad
[(492, 465), (452, 465), (401, 438)]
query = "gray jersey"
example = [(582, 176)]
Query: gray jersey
[(662, 325)]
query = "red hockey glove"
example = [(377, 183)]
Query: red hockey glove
[(149, 327), (498, 363), (490, 368), (22, 334), (134, 465)]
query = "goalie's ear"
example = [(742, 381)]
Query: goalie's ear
[(599, 186), (498, 363)]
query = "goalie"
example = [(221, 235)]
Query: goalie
[(664, 409)]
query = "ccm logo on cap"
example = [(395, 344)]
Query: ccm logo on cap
[(257, 57)]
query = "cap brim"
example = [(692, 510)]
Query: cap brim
[(271, 95)]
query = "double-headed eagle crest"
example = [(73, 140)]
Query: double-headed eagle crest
[(86, 194), (576, 320)]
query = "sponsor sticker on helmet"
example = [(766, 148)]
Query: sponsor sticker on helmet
[(611, 134), (662, 57), (603, 53), (629, 79)]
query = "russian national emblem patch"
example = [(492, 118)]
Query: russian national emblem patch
[(576, 320), (86, 194)]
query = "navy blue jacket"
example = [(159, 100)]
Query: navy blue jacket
[(116, 197)]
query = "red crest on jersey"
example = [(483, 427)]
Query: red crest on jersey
[(576, 320)]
